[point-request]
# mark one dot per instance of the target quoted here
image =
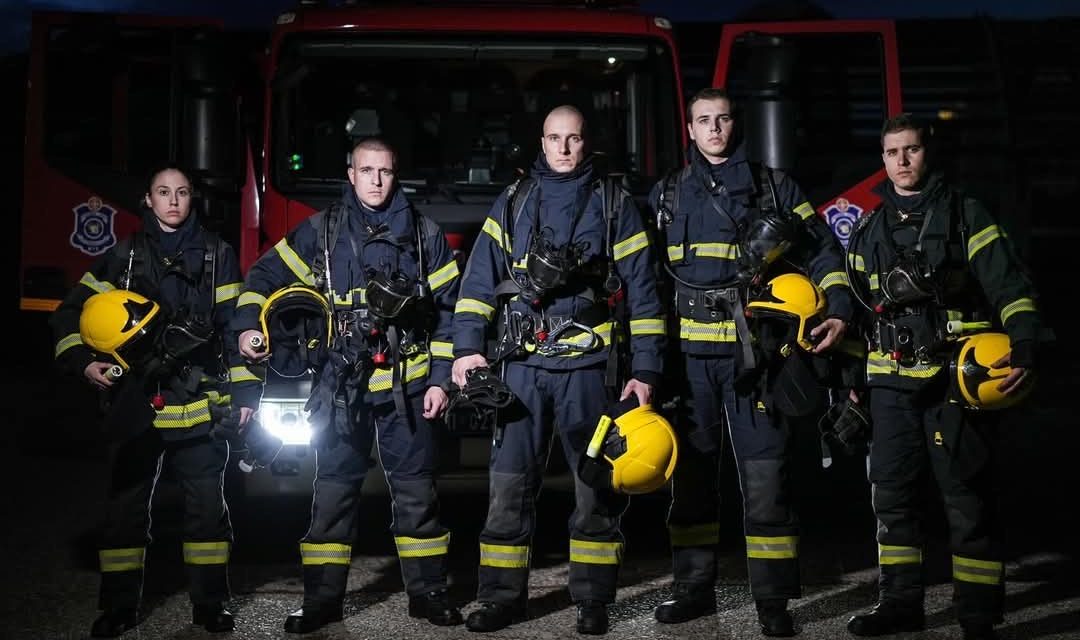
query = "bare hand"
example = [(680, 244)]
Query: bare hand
[(638, 388), (464, 365), (250, 352), (245, 415), (95, 374), (1016, 377), (435, 401), (834, 328)]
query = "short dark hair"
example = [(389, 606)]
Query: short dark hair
[(908, 122), (710, 93), (162, 168), (373, 143)]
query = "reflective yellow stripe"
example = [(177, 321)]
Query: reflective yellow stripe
[(206, 553), (804, 210), (422, 547), (493, 229), (325, 553), (383, 379), (693, 331), (183, 416), (218, 399), (472, 305), (294, 262), (675, 252), (979, 240), (721, 250), (243, 374), (697, 535), (980, 571), (890, 554), (772, 548), (128, 559), (348, 298), (880, 364), (442, 349), (874, 282), (1017, 306), (250, 297), (504, 556), (67, 342), (630, 246), (834, 278), (443, 274), (857, 261), (98, 286), (587, 552), (227, 292), (647, 327), (602, 331)]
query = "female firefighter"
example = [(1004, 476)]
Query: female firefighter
[(145, 324)]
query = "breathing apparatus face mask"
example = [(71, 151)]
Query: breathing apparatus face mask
[(549, 267), (180, 338), (762, 242), (391, 296), (909, 280)]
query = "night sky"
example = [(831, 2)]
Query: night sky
[(257, 14)]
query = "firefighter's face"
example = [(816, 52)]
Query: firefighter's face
[(170, 199), (564, 140), (905, 160), (372, 176), (711, 127)]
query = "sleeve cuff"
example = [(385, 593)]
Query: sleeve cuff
[(1023, 354), (651, 378)]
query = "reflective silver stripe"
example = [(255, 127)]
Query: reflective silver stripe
[(422, 547), (857, 262), (98, 286), (504, 556), (707, 331), (67, 342), (979, 240), (128, 559), (250, 297), (383, 379), (891, 554), (325, 553), (630, 246), (721, 250), (472, 305), (443, 275), (442, 349), (804, 210), (588, 552), (183, 416), (675, 252), (227, 292), (242, 374), (294, 262), (772, 547), (493, 229), (204, 553), (1017, 306), (978, 571), (647, 327), (834, 278), (878, 364)]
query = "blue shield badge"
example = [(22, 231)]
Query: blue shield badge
[(94, 231), (841, 217)]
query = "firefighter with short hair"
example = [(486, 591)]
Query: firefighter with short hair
[(389, 280), (931, 264), (560, 254), (146, 323), (724, 222)]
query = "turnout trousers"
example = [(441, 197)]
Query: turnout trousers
[(407, 454), (574, 400), (910, 439), (198, 464), (760, 447)]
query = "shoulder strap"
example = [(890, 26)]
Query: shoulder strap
[(215, 246), (764, 188), (518, 200), (669, 197), (327, 229)]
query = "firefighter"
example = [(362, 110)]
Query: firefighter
[(723, 220), (389, 280), (158, 303), (561, 253), (930, 254)]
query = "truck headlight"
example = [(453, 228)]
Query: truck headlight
[(286, 420)]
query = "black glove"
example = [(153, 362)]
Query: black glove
[(845, 425)]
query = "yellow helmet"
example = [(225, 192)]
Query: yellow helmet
[(975, 381), (120, 323), (638, 455), (297, 320), (791, 296)]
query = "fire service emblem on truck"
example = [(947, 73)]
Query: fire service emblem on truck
[(94, 231)]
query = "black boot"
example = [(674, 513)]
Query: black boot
[(215, 618), (978, 631), (774, 618), (308, 619), (885, 619), (687, 603), (592, 618), (114, 622), (436, 607), (494, 616)]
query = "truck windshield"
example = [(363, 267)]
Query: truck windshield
[(463, 114)]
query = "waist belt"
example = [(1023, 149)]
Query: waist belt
[(717, 305)]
